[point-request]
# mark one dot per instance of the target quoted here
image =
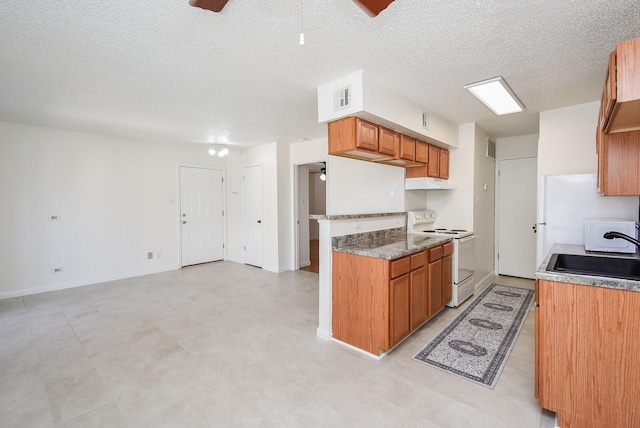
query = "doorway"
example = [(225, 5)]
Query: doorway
[(201, 215), (516, 216), (310, 200)]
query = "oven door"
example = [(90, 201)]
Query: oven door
[(464, 258)]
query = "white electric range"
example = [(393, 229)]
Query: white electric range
[(464, 252)]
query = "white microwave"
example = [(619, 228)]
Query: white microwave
[(594, 230)]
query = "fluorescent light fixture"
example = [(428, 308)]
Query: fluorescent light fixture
[(497, 95)]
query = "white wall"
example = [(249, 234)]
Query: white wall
[(484, 212), (113, 198), (377, 102), (514, 147), (360, 187), (469, 206), (284, 233), (455, 207), (301, 153), (267, 156), (567, 142)]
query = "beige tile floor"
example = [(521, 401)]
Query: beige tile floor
[(229, 345)]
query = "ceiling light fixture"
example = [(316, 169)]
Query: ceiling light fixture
[(497, 95), (220, 149), (301, 22)]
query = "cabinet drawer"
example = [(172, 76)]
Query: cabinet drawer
[(399, 267), (418, 260), (435, 253), (447, 249)]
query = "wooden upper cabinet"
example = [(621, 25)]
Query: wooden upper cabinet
[(405, 155), (389, 142), (621, 95), (433, 167), (618, 131), (355, 138), (367, 135), (618, 161), (422, 152), (444, 164), (407, 148)]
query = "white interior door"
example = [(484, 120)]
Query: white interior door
[(201, 215), (517, 193), (253, 216)]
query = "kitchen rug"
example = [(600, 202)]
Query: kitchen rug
[(477, 343)]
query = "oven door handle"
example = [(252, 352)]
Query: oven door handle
[(467, 238)]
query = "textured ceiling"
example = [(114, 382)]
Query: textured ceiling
[(166, 71)]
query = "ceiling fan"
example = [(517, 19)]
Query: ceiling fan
[(371, 7)]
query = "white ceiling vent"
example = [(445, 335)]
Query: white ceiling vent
[(342, 98), (425, 120), (491, 149)]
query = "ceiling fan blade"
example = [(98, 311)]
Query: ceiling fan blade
[(373, 7), (213, 5)]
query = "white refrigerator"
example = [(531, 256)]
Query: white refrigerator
[(565, 201)]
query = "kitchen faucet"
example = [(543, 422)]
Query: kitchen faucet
[(613, 234)]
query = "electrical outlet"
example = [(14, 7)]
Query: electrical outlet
[(150, 255)]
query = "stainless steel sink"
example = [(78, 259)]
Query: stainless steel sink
[(611, 267)]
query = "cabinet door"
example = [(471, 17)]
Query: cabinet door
[(389, 142), (447, 279), (435, 287), (418, 297), (422, 152), (619, 164), (399, 309), (407, 148), (444, 164), (366, 135), (433, 167)]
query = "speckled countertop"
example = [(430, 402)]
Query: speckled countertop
[(596, 281), (353, 216), (385, 244)]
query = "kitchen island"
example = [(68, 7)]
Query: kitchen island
[(385, 285), (587, 339)]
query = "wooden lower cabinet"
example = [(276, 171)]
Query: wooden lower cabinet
[(376, 302), (435, 286), (587, 359), (419, 297), (447, 279), (399, 309)]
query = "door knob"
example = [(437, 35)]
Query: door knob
[(184, 222), (259, 221)]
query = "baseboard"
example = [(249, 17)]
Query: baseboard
[(323, 334), (305, 263), (483, 282), (81, 283)]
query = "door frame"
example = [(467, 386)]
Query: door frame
[(296, 211), (496, 249), (178, 204)]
